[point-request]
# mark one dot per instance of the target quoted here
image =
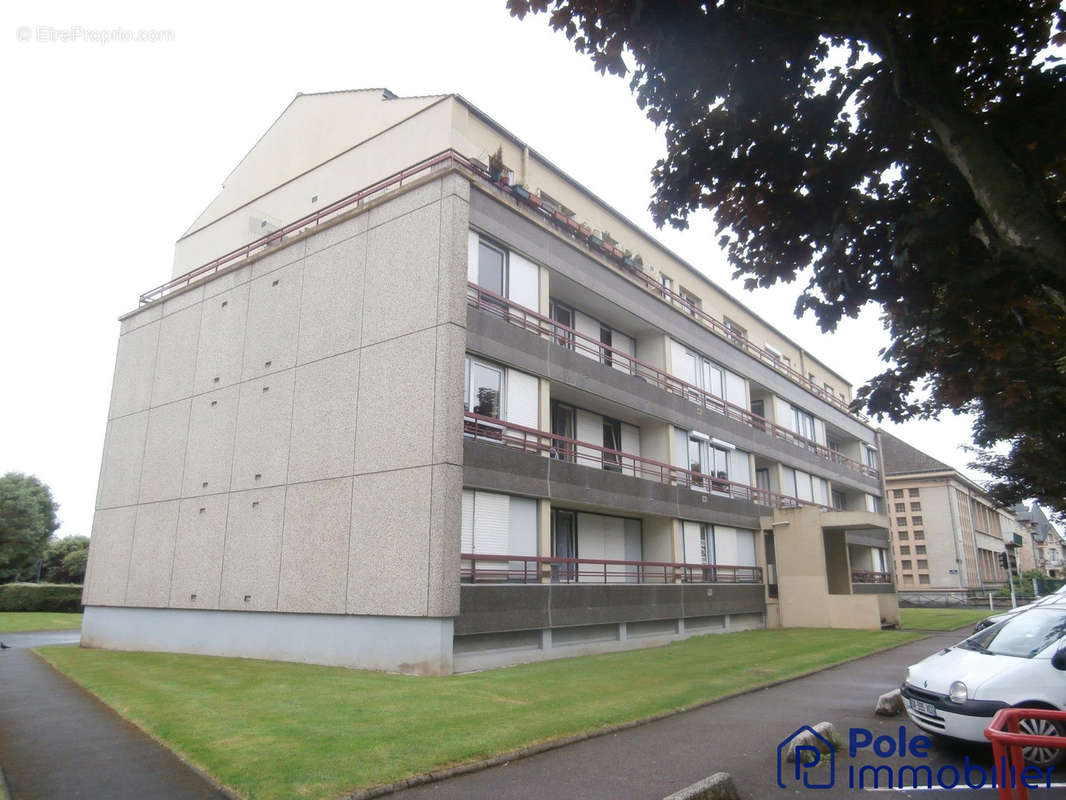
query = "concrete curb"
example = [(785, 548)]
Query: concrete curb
[(718, 786), (207, 777), (543, 747)]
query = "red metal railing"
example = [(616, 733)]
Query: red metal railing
[(1008, 741), (522, 197), (479, 567), (531, 440), (869, 576), (566, 336)]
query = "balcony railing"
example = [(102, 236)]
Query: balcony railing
[(483, 568), (868, 576), (566, 336), (531, 440)]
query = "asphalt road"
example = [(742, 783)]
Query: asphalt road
[(738, 736)]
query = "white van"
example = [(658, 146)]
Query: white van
[(1019, 662)]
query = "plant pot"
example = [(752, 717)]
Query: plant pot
[(520, 191), (560, 217), (595, 241)]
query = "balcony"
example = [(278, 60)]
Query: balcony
[(565, 336), (530, 440), (866, 576), (482, 568)]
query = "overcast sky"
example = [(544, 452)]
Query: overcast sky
[(111, 149)]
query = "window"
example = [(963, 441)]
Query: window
[(915, 507), (901, 507), (838, 500), (563, 426), (919, 534), (923, 564), (897, 493), (668, 283), (908, 579), (564, 315), (919, 549), (804, 423), (491, 268), (828, 389), (810, 377), (916, 520), (612, 440), (706, 459), (912, 492), (484, 388), (693, 302), (923, 579), (735, 330), (903, 536), (605, 338), (901, 521), (870, 456), (904, 550), (905, 564)]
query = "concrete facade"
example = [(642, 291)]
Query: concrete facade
[(432, 429)]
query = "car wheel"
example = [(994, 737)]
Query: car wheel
[(1042, 756)]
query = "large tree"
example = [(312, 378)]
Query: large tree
[(27, 521), (912, 153)]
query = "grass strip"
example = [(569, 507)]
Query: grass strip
[(18, 621), (941, 619), (271, 730)]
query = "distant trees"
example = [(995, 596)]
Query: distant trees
[(65, 560), (27, 522)]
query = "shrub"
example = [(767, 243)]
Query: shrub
[(40, 597)]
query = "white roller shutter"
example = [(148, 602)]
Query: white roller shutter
[(783, 415), (619, 341), (735, 390), (684, 363), (590, 536), (630, 444), (587, 326), (522, 405), (819, 431), (522, 528), (821, 491), (523, 281), (467, 535), (691, 535), (472, 241), (739, 467), (589, 429), (725, 545), (681, 448), (803, 486), (745, 549), (491, 523)]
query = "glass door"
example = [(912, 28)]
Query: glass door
[(563, 427), (564, 545)]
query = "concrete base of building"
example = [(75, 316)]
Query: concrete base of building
[(411, 645), (488, 651)]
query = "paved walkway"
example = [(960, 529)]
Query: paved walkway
[(739, 736), (57, 742)]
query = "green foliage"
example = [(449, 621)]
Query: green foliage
[(40, 597), (27, 521), (939, 619), (910, 152), (65, 560)]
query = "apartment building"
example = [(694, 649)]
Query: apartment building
[(947, 534), (416, 400), (1046, 551)]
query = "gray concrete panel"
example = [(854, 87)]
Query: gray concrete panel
[(198, 552), (164, 452), (396, 395), (272, 333), (444, 540), (109, 556), (429, 194), (872, 588), (209, 457), (134, 371), (496, 608), (175, 368), (139, 317), (448, 398), (454, 240), (264, 425), (323, 419), (253, 550), (419, 646), (701, 600), (183, 298), (153, 555), (314, 552), (220, 349), (588, 604), (331, 305), (332, 233), (504, 469), (120, 471), (402, 275), (388, 568)]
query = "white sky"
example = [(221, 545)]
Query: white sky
[(111, 150)]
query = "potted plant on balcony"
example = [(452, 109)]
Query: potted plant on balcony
[(595, 240), (521, 192)]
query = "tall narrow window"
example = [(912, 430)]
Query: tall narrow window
[(562, 427), (564, 315), (484, 388), (564, 544), (612, 440), (605, 339), (736, 331), (491, 268), (804, 423), (692, 302), (695, 462)]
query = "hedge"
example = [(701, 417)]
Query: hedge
[(40, 597)]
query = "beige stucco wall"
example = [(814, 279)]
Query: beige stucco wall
[(287, 437)]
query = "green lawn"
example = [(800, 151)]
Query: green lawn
[(12, 621), (273, 730), (940, 619)]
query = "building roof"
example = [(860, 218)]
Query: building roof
[(900, 458)]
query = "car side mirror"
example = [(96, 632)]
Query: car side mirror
[(1058, 661)]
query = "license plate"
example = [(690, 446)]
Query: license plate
[(922, 708)]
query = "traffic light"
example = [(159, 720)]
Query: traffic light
[(1003, 562)]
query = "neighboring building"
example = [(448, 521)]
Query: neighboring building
[(1042, 539), (947, 534), (444, 420)]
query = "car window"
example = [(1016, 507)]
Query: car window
[(1024, 635)]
